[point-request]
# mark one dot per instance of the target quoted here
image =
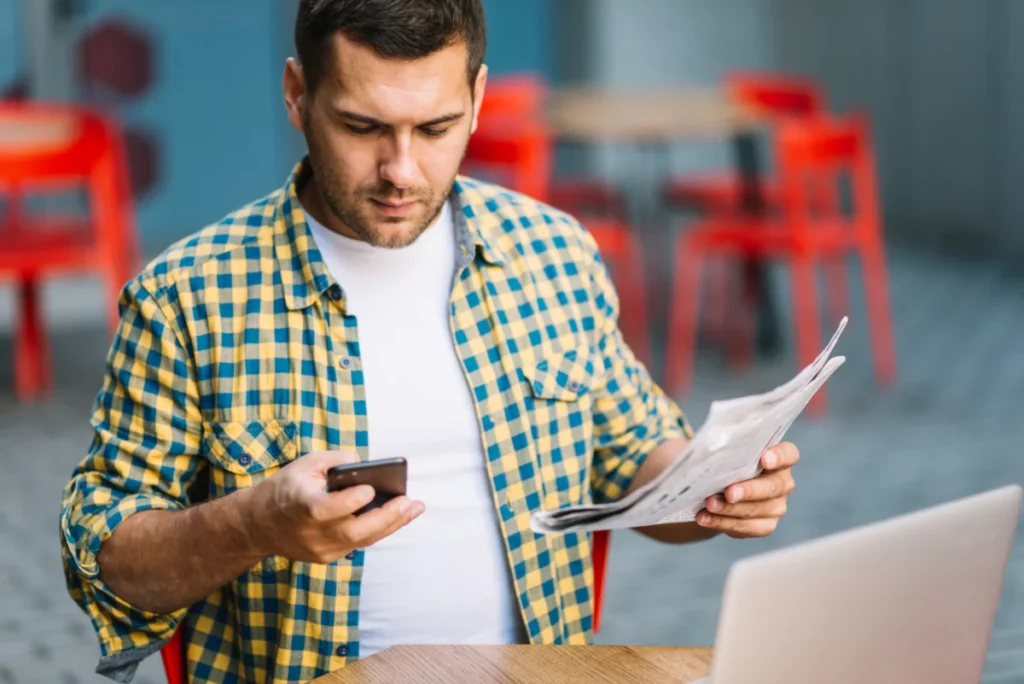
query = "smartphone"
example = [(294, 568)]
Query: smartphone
[(386, 476)]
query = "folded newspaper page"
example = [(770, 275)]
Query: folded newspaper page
[(727, 449)]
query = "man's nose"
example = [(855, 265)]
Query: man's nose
[(399, 167)]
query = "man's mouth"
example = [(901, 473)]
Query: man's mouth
[(394, 208)]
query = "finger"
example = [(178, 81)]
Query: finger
[(329, 507), (738, 527), (771, 508), (767, 486), (784, 455), (374, 525)]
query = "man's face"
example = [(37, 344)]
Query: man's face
[(385, 138)]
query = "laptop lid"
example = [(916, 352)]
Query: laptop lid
[(909, 599)]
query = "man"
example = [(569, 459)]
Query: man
[(377, 306)]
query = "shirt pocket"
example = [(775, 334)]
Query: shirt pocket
[(560, 408), (245, 453)]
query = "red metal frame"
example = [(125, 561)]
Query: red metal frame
[(812, 227)]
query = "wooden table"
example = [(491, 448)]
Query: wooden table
[(526, 665), (647, 114)]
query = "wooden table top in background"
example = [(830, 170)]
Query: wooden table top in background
[(648, 114), (18, 135), (526, 665)]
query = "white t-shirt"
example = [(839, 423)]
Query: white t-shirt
[(444, 578)]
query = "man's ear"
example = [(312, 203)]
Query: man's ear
[(479, 86), (295, 99)]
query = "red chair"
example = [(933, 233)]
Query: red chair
[(815, 156), (49, 147), (780, 98)]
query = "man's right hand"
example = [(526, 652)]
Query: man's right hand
[(297, 518)]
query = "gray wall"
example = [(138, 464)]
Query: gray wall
[(937, 76), (939, 79)]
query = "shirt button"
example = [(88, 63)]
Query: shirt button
[(334, 292), (342, 650), (346, 362), (350, 555), (245, 459), (574, 386)]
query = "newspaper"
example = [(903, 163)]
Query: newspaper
[(727, 449)]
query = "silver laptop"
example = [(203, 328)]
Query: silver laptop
[(910, 599)]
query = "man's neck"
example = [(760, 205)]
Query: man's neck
[(312, 202)]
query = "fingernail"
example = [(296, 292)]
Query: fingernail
[(770, 459), (405, 506), (714, 504), (737, 494), (703, 518), (418, 509)]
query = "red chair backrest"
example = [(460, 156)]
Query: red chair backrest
[(815, 158), (521, 94), (778, 95), (64, 142)]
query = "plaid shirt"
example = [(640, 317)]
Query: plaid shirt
[(235, 356)]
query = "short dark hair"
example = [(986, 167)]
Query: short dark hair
[(395, 29)]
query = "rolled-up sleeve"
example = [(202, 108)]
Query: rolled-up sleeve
[(632, 414), (143, 456)]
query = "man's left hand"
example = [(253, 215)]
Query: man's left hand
[(754, 508)]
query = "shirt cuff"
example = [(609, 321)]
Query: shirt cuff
[(126, 633)]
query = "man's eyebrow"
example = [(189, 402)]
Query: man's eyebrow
[(370, 121)]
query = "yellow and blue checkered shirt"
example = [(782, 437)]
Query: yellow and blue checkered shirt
[(235, 355)]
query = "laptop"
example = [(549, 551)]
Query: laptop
[(909, 599)]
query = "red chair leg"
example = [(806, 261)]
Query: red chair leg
[(110, 206), (682, 333), (808, 327), (31, 350), (837, 288), (876, 284), (744, 329), (717, 300), (173, 655), (600, 541)]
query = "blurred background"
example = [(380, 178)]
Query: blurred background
[(700, 141)]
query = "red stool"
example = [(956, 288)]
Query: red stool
[(44, 147), (812, 227)]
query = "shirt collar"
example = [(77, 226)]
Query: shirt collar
[(304, 276)]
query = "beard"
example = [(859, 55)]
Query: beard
[(353, 208)]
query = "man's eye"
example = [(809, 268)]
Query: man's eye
[(434, 132), (360, 130)]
